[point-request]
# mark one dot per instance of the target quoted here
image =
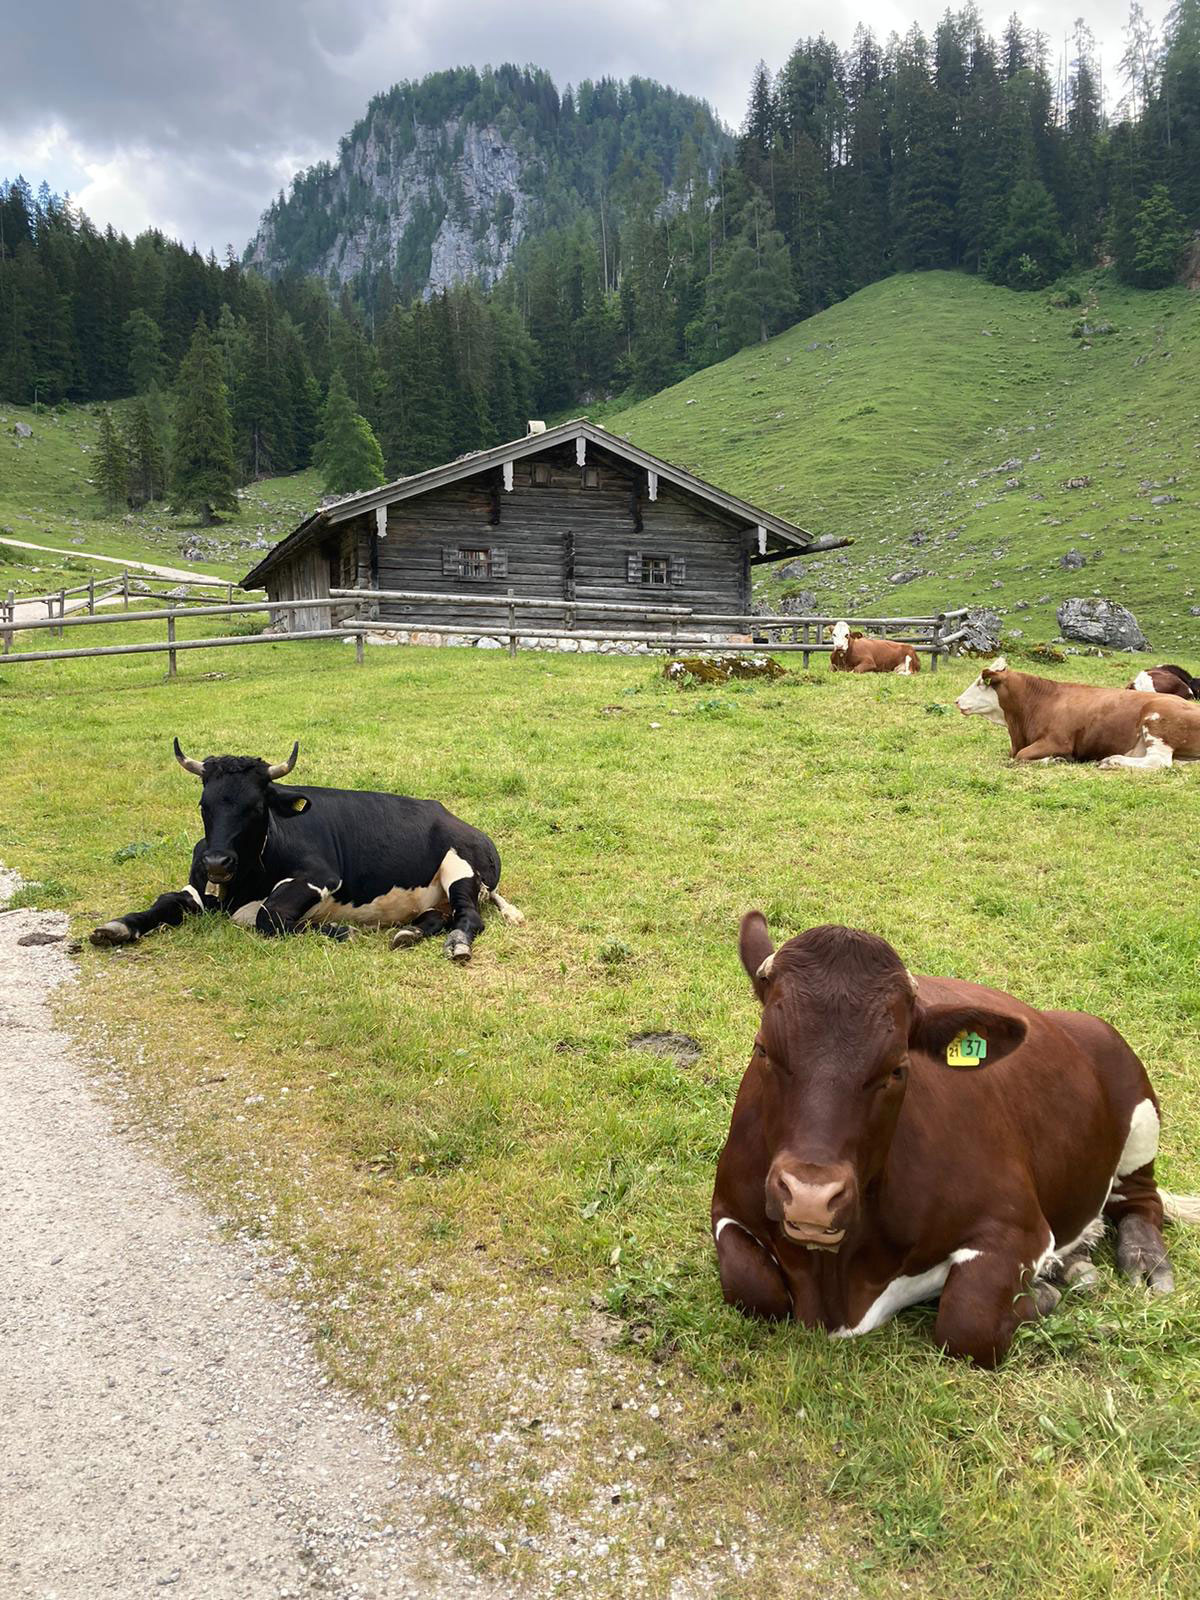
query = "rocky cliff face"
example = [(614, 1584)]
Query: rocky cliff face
[(452, 207)]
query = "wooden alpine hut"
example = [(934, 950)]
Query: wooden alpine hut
[(570, 515)]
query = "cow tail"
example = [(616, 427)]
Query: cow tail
[(1181, 1207)]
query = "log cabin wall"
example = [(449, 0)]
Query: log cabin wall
[(562, 533)]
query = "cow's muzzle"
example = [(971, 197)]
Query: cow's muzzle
[(220, 866), (814, 1206)]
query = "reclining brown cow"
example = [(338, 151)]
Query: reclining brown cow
[(1047, 720), (853, 653), (1166, 679), (865, 1172)]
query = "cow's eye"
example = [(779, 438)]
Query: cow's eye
[(899, 1073)]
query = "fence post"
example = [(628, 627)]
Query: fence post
[(229, 594), (10, 607), (92, 595), (512, 625), (171, 666), (358, 648), (936, 641), (805, 658), (125, 587)]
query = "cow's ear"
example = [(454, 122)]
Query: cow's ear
[(966, 1035), (286, 802), (756, 950)]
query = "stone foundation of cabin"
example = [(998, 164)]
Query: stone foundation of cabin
[(563, 643)]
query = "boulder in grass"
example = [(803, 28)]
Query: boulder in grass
[(1101, 622), (981, 629), (686, 670)]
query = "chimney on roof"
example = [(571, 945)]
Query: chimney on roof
[(536, 427)]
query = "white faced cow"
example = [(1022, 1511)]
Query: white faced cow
[(279, 859)]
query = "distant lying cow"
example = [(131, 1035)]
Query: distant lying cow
[(865, 1170), (280, 859), (1167, 680), (1047, 720), (853, 653)]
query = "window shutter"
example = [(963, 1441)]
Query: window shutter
[(499, 561), (633, 567), (678, 569), (450, 562)]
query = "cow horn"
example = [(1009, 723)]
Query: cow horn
[(187, 762), (282, 768)]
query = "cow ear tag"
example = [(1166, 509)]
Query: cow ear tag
[(299, 803), (966, 1050)]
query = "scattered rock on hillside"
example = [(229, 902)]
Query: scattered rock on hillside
[(1072, 561), (907, 576), (1082, 482), (982, 632), (803, 604), (1163, 500), (22, 430), (1102, 622), (793, 570)]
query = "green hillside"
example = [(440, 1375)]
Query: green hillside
[(48, 498), (936, 419)]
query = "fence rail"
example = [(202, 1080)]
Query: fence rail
[(101, 590), (788, 634)]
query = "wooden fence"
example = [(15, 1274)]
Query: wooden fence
[(806, 635), (101, 591)]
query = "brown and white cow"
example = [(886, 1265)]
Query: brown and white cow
[(1048, 720), (853, 653), (1166, 680), (863, 1173)]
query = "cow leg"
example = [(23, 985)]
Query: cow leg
[(465, 922), (1149, 754), (750, 1277), (283, 910), (1045, 750), (986, 1299), (426, 926), (168, 910), (1136, 1207)]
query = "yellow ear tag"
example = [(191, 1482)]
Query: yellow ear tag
[(966, 1050), (299, 803)]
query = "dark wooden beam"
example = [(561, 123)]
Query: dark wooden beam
[(817, 549)]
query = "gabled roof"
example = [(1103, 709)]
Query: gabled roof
[(776, 528)]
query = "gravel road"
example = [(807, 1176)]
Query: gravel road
[(165, 1429)]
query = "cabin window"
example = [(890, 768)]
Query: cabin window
[(541, 474), (474, 562), (657, 572), (591, 478)]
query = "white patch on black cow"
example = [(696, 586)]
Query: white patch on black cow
[(247, 916), (396, 905)]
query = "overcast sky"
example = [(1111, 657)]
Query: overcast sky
[(189, 115)]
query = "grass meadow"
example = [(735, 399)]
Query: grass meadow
[(496, 1209)]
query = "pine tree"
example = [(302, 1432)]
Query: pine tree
[(347, 452), (1158, 240), (147, 466), (145, 363), (1030, 250), (112, 466), (203, 473)]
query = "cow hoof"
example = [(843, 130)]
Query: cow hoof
[(1082, 1275), (1045, 1296), (405, 938), (111, 933), (457, 948)]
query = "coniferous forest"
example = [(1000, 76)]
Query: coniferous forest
[(960, 151)]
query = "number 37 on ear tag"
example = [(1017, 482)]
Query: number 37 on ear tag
[(966, 1050)]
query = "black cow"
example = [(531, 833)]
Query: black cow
[(277, 859)]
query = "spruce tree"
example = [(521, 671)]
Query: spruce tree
[(1030, 250), (347, 452), (112, 466), (145, 364), (147, 467), (203, 473), (1158, 240)]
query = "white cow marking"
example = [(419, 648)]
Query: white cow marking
[(1141, 1142), (764, 968), (397, 905), (902, 1292), (1144, 682), (732, 1222), (904, 670), (840, 636), (247, 916), (506, 909), (1158, 753), (195, 897), (979, 699)]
